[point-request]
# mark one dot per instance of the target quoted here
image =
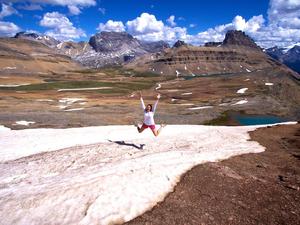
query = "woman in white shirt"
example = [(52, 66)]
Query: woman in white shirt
[(149, 117)]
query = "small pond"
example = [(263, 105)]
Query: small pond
[(244, 119), (241, 119)]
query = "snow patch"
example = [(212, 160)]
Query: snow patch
[(201, 107), (59, 45), (126, 181), (172, 90), (70, 100), (240, 102), (269, 84), (24, 122), (249, 71), (13, 85), (188, 93), (242, 91), (75, 109), (45, 100), (3, 128), (158, 86)]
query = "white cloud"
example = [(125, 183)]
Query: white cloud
[(146, 27), (171, 21), (74, 10), (192, 25), (217, 33), (7, 10), (145, 24), (285, 13), (281, 29), (8, 29), (110, 25), (61, 27)]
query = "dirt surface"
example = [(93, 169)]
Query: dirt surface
[(184, 101), (249, 189)]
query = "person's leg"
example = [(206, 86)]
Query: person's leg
[(141, 129), (156, 132)]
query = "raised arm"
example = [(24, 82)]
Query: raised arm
[(142, 101), (155, 104)]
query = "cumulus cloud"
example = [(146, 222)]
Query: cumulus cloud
[(7, 10), (146, 27), (110, 25), (171, 21), (217, 33), (281, 29), (8, 29), (144, 24), (61, 27), (285, 13)]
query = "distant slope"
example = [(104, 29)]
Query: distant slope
[(23, 55)]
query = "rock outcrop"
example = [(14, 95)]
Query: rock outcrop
[(179, 43), (234, 37)]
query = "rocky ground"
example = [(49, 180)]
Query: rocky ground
[(189, 100), (249, 189)]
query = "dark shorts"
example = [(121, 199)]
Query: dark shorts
[(145, 126)]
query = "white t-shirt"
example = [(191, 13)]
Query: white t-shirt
[(149, 116)]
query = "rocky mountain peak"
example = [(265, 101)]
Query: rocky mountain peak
[(235, 37), (179, 43), (113, 41)]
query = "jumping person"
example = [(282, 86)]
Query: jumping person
[(148, 117)]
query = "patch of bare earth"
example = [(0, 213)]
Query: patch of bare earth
[(249, 189)]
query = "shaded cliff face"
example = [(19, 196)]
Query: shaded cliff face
[(290, 56), (179, 43), (153, 47)]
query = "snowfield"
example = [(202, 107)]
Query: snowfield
[(103, 175)]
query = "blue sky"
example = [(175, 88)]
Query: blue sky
[(269, 22)]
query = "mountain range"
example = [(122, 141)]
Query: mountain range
[(288, 56), (237, 53)]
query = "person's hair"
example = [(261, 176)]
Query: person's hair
[(150, 107)]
